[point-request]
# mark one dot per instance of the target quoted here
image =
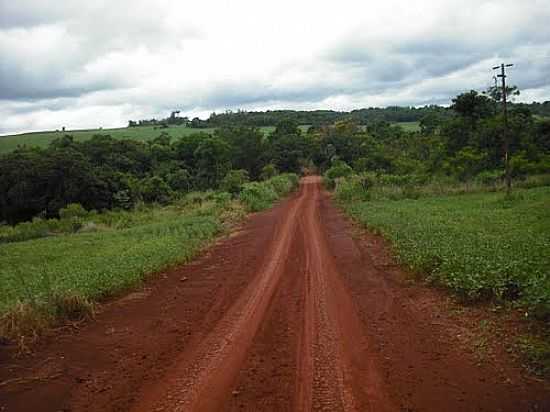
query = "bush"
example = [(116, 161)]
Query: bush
[(233, 181), (258, 195), (155, 189), (489, 177), (352, 188), (339, 169), (284, 183), (72, 210), (268, 171)]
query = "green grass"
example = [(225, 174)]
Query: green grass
[(145, 133), (97, 264), (42, 139), (41, 279), (48, 273), (409, 126), (479, 245)]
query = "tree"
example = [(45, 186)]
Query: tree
[(213, 161), (233, 181), (473, 106), (247, 148), (155, 189)]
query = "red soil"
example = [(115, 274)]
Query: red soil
[(290, 313)]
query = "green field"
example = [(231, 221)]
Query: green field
[(479, 245), (409, 126), (108, 259), (42, 139), (145, 133), (142, 133)]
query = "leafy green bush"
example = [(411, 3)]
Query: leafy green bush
[(490, 177), (353, 188), (155, 189), (338, 170), (268, 171), (73, 210), (261, 195), (258, 195), (234, 180), (284, 184)]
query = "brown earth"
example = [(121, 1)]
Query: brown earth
[(291, 313)]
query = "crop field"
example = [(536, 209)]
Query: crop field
[(479, 245)]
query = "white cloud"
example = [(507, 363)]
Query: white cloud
[(85, 64)]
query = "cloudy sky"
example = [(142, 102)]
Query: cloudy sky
[(96, 63)]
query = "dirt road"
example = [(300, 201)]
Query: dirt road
[(289, 314)]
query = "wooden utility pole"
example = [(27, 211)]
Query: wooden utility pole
[(502, 75)]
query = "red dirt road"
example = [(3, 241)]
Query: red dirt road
[(290, 314)]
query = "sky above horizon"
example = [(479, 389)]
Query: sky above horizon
[(99, 64)]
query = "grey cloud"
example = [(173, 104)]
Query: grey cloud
[(92, 59)]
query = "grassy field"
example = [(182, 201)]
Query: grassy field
[(409, 126), (42, 139), (479, 245), (59, 275), (145, 133), (44, 279)]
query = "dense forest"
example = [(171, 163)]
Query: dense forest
[(462, 143)]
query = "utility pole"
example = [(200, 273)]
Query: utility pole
[(502, 75)]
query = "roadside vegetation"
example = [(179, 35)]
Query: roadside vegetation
[(480, 244), (87, 216), (439, 197), (55, 269)]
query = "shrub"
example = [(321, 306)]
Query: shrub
[(337, 170), (268, 171), (489, 177), (155, 189), (233, 181), (284, 183), (258, 195), (352, 188), (72, 210)]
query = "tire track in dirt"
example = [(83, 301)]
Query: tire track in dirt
[(333, 342), (290, 314), (202, 382)]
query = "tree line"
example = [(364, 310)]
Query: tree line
[(461, 142), (392, 114)]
